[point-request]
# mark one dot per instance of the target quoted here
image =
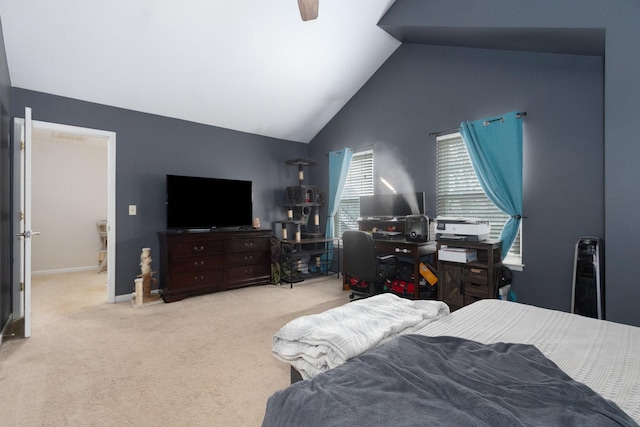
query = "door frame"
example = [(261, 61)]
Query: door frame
[(111, 198)]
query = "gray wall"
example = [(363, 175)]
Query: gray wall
[(583, 159), (423, 89), (148, 147), (6, 239)]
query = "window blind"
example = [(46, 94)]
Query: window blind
[(359, 183), (459, 193)]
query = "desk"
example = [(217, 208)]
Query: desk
[(403, 248)]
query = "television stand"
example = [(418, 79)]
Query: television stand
[(197, 263)]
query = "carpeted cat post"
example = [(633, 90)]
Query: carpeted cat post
[(142, 294)]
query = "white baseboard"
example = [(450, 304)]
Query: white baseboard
[(123, 298), (64, 270), (4, 329), (127, 297)]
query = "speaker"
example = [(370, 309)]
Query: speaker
[(587, 298), (416, 228)]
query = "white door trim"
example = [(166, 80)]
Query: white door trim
[(111, 190)]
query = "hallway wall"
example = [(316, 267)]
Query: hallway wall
[(69, 194)]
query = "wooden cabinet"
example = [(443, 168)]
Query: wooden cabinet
[(199, 263), (460, 284)]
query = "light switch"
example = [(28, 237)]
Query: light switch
[(132, 209)]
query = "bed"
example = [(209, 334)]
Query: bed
[(490, 363)]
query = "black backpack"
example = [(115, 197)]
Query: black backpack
[(505, 276)]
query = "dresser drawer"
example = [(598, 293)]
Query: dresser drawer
[(248, 244), (247, 273), (197, 279), (246, 258), (196, 264), (477, 290), (395, 248), (196, 248), (475, 275)]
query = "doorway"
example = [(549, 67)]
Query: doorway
[(68, 199), (63, 137)]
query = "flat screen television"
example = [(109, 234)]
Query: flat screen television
[(198, 203), (392, 205)]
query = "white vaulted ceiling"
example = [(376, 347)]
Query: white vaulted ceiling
[(247, 65)]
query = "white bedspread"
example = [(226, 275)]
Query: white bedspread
[(603, 355), (314, 343)]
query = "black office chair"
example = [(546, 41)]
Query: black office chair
[(367, 271)]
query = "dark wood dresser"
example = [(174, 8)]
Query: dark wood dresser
[(199, 263)]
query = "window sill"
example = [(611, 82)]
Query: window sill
[(513, 263)]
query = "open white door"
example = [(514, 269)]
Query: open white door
[(23, 131), (25, 233)]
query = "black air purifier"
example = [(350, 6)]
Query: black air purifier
[(587, 298), (417, 228)]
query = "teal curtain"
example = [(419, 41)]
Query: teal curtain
[(495, 149), (339, 162)]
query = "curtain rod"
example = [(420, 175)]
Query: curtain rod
[(358, 149), (486, 122), (444, 132)]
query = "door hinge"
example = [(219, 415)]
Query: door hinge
[(21, 286), (21, 145), (21, 216)]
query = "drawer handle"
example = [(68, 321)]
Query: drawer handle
[(198, 263), (248, 245), (476, 270), (248, 258), (198, 278), (198, 248), (248, 270)]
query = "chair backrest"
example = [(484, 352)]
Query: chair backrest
[(359, 253)]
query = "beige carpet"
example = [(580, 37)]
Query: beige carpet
[(203, 361)]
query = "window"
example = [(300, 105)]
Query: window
[(459, 193), (359, 183)]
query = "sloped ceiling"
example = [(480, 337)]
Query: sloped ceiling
[(247, 65)]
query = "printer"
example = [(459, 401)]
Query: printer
[(468, 229)]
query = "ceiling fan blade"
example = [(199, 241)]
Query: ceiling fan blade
[(308, 9)]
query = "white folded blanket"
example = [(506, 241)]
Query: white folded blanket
[(315, 343)]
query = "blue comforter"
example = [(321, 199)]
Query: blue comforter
[(416, 380)]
